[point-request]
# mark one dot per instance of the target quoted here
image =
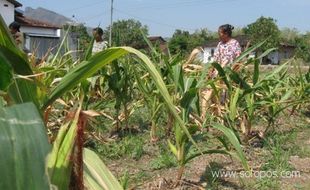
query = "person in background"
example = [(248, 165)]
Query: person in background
[(17, 35), (228, 49), (99, 43)]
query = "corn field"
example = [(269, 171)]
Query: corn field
[(51, 112)]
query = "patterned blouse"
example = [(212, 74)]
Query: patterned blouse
[(99, 46), (225, 53)]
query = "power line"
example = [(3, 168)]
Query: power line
[(81, 7), (181, 4), (153, 21)]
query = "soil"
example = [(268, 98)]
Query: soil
[(198, 173)]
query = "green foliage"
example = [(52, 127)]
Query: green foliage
[(183, 42), (289, 35), (130, 146), (200, 37), (179, 43), (264, 28), (59, 162), (23, 166), (13, 60), (303, 47), (79, 32), (96, 175), (127, 33), (164, 159)]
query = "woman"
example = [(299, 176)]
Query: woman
[(228, 49), (99, 43), (17, 35)]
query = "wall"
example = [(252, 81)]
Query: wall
[(40, 31), (40, 46), (7, 12)]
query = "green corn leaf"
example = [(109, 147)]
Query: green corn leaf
[(267, 52), (20, 90), (96, 62), (222, 74), (248, 51), (6, 75), (173, 148), (24, 147), (192, 156), (97, 176), (59, 160), (233, 105), (234, 141), (256, 72)]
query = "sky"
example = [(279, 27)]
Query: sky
[(163, 17)]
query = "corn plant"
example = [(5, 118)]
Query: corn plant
[(25, 90)]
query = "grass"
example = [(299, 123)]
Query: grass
[(129, 146), (165, 159)]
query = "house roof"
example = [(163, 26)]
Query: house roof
[(25, 21), (242, 39), (156, 38), (15, 3)]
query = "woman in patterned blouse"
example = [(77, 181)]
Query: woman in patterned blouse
[(228, 49)]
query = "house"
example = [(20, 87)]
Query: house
[(159, 42), (40, 37), (285, 51), (7, 8)]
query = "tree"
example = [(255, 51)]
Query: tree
[(179, 43), (183, 42), (303, 47), (289, 35), (264, 29), (127, 33), (199, 38), (238, 31)]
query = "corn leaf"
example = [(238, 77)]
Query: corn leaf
[(234, 141), (24, 147), (248, 51), (222, 74), (6, 75), (96, 174), (256, 72), (233, 105), (20, 90), (96, 62), (59, 162)]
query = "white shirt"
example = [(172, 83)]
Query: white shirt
[(99, 46)]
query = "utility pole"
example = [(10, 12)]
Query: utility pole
[(111, 23)]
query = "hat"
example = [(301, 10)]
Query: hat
[(15, 25)]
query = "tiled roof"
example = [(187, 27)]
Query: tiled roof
[(25, 21)]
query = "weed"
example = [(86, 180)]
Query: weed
[(130, 146), (165, 159)]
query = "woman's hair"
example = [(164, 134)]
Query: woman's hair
[(226, 29), (98, 30), (15, 25)]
